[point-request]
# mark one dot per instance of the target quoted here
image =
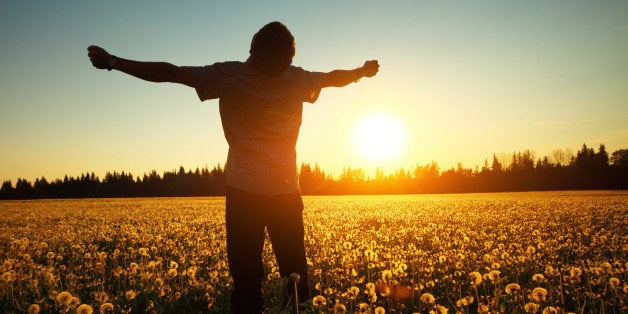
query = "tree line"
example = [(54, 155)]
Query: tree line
[(521, 171)]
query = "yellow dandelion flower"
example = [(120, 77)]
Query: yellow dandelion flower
[(379, 310), (50, 255), (512, 288), (614, 282), (550, 310), (130, 294), (319, 301), (106, 308), (428, 298), (87, 255), (177, 295), (63, 297), (142, 251), (625, 288), (84, 309), (353, 292), (33, 309)]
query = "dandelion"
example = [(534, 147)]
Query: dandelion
[(512, 288), (87, 255), (530, 250), (550, 310), (106, 307), (172, 272), (84, 309), (63, 297), (440, 309), (340, 308), (74, 302), (353, 292), (33, 309), (174, 265), (476, 278), (363, 308), (531, 307), (7, 277), (493, 275), (379, 310), (614, 282), (539, 294), (428, 298), (575, 272), (372, 297), (295, 277), (130, 295), (142, 251), (319, 301), (386, 275), (370, 287), (50, 255), (538, 278)]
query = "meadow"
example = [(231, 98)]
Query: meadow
[(537, 252)]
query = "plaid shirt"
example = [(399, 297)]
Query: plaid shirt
[(261, 117)]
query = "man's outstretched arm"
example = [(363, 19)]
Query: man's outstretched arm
[(148, 71), (339, 78)]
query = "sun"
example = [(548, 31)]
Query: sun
[(379, 137)]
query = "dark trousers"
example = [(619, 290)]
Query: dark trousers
[(247, 215)]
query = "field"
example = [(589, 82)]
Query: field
[(548, 252)]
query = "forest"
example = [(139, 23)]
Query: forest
[(521, 171)]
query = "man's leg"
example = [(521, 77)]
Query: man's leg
[(245, 242), (285, 228)]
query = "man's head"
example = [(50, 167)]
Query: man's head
[(272, 49)]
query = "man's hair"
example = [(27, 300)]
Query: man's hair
[(272, 49)]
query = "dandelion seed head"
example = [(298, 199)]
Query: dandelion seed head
[(130, 295), (319, 301), (428, 298), (512, 288), (84, 309), (63, 297), (106, 307), (33, 309)]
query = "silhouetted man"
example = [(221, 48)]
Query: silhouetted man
[(261, 102)]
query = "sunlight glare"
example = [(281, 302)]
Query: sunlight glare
[(379, 137)]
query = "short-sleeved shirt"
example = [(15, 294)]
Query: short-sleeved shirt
[(261, 118)]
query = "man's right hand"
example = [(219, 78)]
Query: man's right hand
[(370, 68), (99, 57)]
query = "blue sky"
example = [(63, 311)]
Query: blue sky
[(465, 79)]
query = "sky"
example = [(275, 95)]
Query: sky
[(462, 79)]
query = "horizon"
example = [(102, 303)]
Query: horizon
[(505, 159), (459, 80)]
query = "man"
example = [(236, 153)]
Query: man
[(261, 103)]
